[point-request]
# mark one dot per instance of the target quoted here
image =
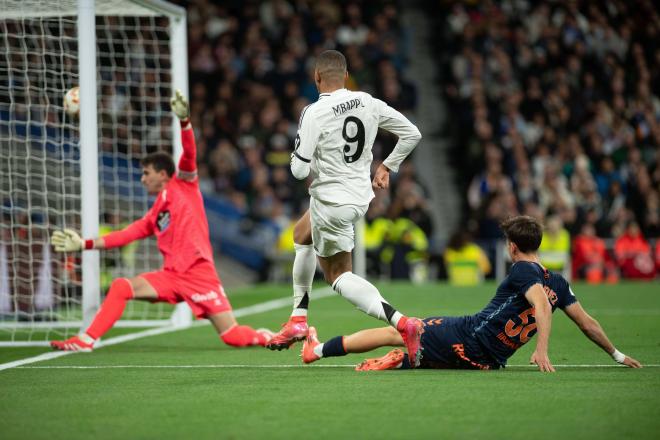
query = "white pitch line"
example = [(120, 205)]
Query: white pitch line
[(585, 366), (95, 367), (244, 311)]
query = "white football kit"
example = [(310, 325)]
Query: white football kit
[(335, 138)]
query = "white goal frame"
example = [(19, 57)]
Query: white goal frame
[(86, 11)]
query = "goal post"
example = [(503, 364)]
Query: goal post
[(127, 56), (89, 157)]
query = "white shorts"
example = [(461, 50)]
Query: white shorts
[(333, 226)]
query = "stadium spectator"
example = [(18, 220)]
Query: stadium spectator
[(633, 254), (251, 74), (410, 199), (559, 99), (405, 251), (590, 259), (250, 69), (466, 262), (114, 259), (26, 264), (555, 248), (376, 229)]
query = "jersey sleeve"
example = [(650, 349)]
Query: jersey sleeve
[(305, 145), (188, 160), (138, 229), (394, 122), (524, 275), (565, 295)]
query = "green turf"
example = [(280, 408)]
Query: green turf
[(249, 401)]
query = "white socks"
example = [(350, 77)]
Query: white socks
[(364, 295), (318, 350), (304, 267)]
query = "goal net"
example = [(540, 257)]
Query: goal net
[(140, 58)]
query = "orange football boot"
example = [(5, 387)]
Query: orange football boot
[(307, 353), (390, 361)]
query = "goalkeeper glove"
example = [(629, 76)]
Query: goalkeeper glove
[(67, 240), (180, 106)]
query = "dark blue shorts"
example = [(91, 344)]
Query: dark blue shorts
[(447, 343)]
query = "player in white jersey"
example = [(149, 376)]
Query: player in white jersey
[(334, 143)]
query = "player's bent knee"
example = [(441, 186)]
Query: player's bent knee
[(329, 278), (121, 288), (302, 235), (333, 274), (302, 232)]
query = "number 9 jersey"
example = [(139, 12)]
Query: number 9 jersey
[(335, 139)]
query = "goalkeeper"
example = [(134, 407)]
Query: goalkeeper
[(178, 221)]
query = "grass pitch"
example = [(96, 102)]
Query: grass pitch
[(187, 384)]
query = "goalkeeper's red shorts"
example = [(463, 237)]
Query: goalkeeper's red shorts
[(199, 286)]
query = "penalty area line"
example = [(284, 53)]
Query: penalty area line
[(244, 311), (274, 366)]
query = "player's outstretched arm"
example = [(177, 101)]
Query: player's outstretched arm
[(68, 240), (543, 315), (188, 160), (592, 330)]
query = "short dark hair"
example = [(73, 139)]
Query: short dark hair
[(160, 161), (331, 64), (524, 231)]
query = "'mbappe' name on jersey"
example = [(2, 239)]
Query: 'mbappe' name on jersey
[(346, 106)]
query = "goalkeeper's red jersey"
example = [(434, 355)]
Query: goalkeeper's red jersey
[(177, 217)]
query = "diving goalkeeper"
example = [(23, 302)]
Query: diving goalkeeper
[(178, 220)]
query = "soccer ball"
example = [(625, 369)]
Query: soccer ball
[(72, 102)]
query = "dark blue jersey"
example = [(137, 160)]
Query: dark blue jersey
[(508, 322)]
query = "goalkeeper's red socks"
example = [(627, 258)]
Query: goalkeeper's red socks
[(245, 336), (121, 291)]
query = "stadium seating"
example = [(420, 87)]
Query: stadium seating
[(251, 67), (557, 108)]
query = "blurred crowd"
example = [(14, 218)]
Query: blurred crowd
[(251, 73), (555, 113)]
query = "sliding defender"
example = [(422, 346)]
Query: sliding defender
[(521, 308)]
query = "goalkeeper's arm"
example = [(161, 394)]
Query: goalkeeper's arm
[(68, 240), (188, 160)]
